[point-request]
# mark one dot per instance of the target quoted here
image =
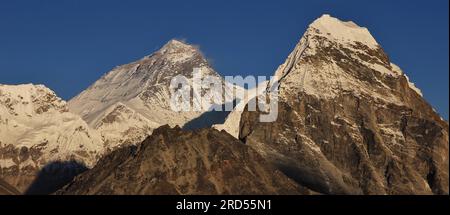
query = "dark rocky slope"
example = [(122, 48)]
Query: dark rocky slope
[(173, 161)]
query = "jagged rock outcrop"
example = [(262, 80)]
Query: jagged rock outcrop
[(173, 161), (127, 103), (349, 121), (36, 129)]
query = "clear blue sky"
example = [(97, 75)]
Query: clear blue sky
[(67, 45)]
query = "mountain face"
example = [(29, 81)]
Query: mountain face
[(126, 104), (36, 129), (174, 161), (349, 121)]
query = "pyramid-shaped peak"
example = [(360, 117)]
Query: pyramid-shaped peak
[(177, 42), (174, 44), (178, 51), (343, 31)]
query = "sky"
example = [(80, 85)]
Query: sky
[(67, 45)]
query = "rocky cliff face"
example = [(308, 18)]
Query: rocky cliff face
[(173, 161), (36, 129), (349, 120)]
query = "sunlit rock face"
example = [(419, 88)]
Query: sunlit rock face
[(349, 120)]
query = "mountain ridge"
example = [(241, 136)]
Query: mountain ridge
[(349, 122), (175, 161), (36, 128)]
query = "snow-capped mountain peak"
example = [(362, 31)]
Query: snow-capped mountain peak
[(345, 32), (350, 120), (30, 99), (177, 51), (139, 93), (36, 129), (334, 56), (177, 45)]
